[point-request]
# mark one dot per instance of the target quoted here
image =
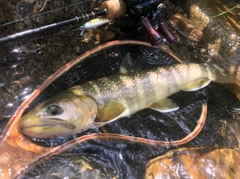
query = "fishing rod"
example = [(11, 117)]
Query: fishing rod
[(143, 12), (84, 17), (109, 9)]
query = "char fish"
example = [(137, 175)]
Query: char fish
[(96, 103)]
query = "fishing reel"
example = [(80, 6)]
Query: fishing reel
[(145, 13), (109, 9)]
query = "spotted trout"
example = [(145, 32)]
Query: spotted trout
[(96, 103)]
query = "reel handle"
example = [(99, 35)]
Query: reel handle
[(154, 36), (167, 34)]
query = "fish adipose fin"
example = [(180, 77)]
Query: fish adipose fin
[(109, 113), (166, 105), (130, 65), (196, 84)]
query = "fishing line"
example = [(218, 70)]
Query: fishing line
[(110, 9), (47, 36), (44, 13), (76, 19), (79, 6)]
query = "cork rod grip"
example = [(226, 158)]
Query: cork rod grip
[(115, 8)]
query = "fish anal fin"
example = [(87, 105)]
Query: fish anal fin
[(196, 84), (165, 105), (109, 113)]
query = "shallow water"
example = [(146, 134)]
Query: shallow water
[(26, 63)]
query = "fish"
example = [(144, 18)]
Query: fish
[(101, 101)]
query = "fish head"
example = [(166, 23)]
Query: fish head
[(64, 114)]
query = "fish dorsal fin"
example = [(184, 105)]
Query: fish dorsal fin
[(130, 65), (196, 84), (109, 113), (165, 105)]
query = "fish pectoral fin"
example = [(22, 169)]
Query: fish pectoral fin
[(109, 113), (196, 84), (166, 105)]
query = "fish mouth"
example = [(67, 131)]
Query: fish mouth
[(49, 122)]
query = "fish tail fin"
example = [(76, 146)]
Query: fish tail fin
[(223, 74)]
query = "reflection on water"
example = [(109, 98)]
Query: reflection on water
[(26, 63)]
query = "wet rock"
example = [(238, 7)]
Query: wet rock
[(71, 166), (195, 163)]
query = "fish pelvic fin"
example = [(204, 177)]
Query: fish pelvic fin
[(109, 113), (164, 106)]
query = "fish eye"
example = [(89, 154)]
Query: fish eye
[(54, 110)]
